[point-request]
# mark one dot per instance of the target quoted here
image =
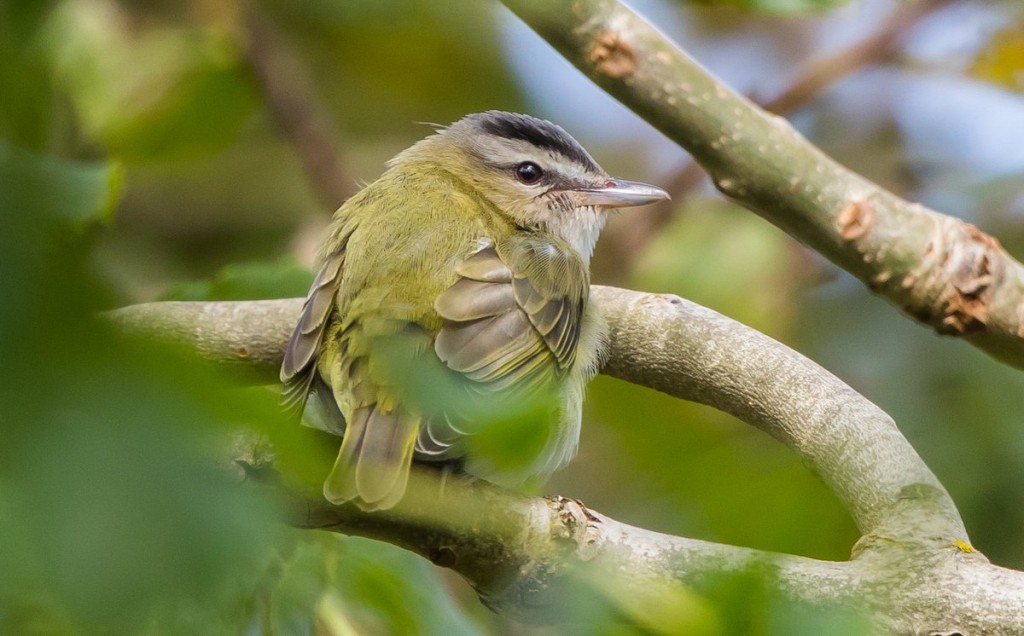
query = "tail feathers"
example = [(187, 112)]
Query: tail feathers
[(373, 464)]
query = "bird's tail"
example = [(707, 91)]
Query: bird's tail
[(372, 468)]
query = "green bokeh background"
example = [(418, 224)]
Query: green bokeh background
[(138, 161)]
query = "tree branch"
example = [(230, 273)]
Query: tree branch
[(913, 570), (669, 344), (944, 272), (295, 107), (630, 239), (877, 46)]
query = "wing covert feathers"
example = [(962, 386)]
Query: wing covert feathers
[(503, 321)]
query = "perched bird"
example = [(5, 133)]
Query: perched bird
[(449, 321)]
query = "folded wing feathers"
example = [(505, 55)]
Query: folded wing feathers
[(470, 299), (500, 331), (300, 355), (373, 463), (557, 319), (499, 326)]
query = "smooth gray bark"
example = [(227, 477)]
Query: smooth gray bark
[(913, 570)]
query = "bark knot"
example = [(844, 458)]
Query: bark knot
[(855, 219), (971, 267), (611, 55), (577, 526)]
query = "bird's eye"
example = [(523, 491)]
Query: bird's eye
[(528, 173)]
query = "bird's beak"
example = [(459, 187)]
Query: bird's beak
[(618, 193)]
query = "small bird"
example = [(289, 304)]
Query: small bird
[(450, 319)]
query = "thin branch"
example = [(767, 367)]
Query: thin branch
[(295, 107), (876, 47), (942, 271)]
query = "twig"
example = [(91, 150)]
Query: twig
[(875, 48), (294, 105)]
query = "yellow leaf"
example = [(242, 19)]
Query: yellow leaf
[(1002, 62)]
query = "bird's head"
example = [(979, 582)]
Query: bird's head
[(534, 173)]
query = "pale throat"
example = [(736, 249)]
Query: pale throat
[(580, 229)]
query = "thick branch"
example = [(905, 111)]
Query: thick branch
[(672, 345), (524, 555), (691, 352), (527, 557), (912, 570), (629, 240), (937, 268)]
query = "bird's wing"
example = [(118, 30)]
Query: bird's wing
[(511, 323), (300, 355), (373, 462), (509, 312)]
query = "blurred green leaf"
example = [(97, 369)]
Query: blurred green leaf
[(248, 281), (27, 110), (114, 502), (656, 607), (155, 93), (39, 186), (749, 602), (349, 585), (116, 488)]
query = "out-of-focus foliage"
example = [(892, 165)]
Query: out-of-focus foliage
[(356, 586), (442, 54), (106, 480), (147, 92), (78, 194), (601, 602), (247, 281), (116, 514), (766, 612)]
